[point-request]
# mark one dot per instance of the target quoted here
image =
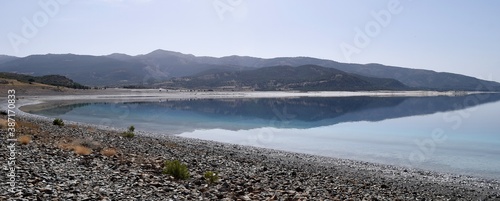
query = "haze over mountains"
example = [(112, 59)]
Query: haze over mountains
[(160, 66)]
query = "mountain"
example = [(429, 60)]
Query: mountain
[(307, 77), (88, 70), (5, 58), (415, 78), (161, 65), (54, 80)]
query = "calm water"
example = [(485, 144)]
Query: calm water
[(447, 134)]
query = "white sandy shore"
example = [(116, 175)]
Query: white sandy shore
[(127, 94)]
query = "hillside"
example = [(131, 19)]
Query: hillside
[(88, 70), (161, 65), (415, 78), (307, 78), (53, 80)]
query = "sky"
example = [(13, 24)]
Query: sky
[(458, 36)]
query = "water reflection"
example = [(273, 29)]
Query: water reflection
[(176, 116)]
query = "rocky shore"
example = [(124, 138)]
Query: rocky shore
[(50, 167)]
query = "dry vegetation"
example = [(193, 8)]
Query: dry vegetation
[(28, 131), (33, 88), (24, 139), (15, 83), (109, 152), (77, 146), (3, 123), (66, 146), (82, 150), (27, 128)]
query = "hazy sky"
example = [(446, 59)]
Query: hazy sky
[(448, 35)]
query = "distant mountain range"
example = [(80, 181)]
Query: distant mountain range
[(277, 78), (174, 68)]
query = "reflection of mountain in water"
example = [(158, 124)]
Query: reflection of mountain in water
[(328, 111), (61, 109), (302, 109), (414, 106), (176, 116)]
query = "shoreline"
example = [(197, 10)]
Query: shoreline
[(154, 93), (37, 102), (298, 175)]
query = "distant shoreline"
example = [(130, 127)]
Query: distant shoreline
[(49, 100), (117, 93)]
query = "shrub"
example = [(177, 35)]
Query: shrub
[(3, 123), (66, 146), (58, 122), (28, 128), (211, 177), (108, 152), (81, 150), (176, 169), (130, 133), (25, 139)]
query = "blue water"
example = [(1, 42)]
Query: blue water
[(446, 134)]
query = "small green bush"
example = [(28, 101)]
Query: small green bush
[(211, 177), (176, 169), (130, 133), (58, 122), (131, 128)]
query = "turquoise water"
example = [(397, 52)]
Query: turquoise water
[(446, 134)]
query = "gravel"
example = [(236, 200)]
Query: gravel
[(47, 169)]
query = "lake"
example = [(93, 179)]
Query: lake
[(447, 134)]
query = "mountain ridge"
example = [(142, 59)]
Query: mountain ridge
[(277, 78), (160, 65)]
